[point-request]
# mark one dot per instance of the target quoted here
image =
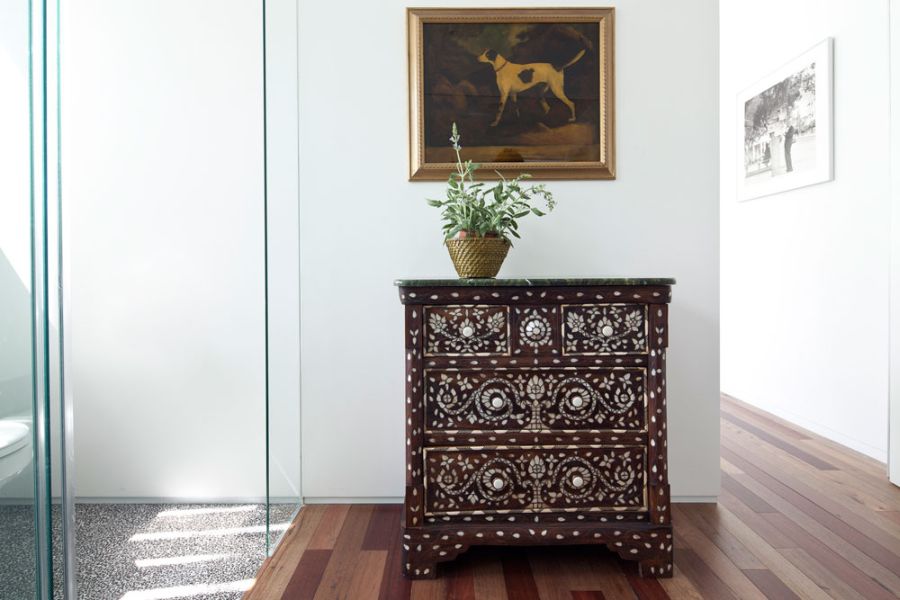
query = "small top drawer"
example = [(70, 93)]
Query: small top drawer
[(604, 328), (466, 330)]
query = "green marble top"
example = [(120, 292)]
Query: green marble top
[(535, 282)]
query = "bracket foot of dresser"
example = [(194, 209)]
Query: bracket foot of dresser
[(649, 545)]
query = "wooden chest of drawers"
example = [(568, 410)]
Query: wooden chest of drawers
[(536, 414)]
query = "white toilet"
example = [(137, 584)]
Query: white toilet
[(15, 448)]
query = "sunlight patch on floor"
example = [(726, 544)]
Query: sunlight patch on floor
[(180, 535), (143, 563), (189, 591), (189, 512)]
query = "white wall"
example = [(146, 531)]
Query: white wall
[(162, 134), (363, 225), (805, 273), (894, 423)]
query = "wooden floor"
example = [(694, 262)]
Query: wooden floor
[(798, 517)]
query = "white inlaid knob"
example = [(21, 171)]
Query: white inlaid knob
[(498, 483), (497, 402), (607, 330), (467, 331), (577, 481), (577, 401)]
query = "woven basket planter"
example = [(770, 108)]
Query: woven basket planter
[(477, 257)]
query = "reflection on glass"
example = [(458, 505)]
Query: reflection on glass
[(17, 499)]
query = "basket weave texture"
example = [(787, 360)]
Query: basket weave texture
[(478, 257)]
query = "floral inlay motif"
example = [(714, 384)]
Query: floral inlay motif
[(535, 332), (466, 330), (534, 400), (534, 480), (605, 328)]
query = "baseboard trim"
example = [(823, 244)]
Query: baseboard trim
[(353, 500), (399, 499), (695, 499), (181, 500)]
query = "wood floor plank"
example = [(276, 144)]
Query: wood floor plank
[(461, 581), (809, 485), (770, 585), (429, 589), (383, 531), (546, 566), (307, 576), (394, 586), (779, 443), (830, 559), (714, 559), (729, 504), (280, 567), (802, 585), (730, 405), (839, 483), (679, 587), (747, 497), (814, 443), (702, 576), (706, 518), (798, 517), (859, 531), (825, 535), (828, 581), (329, 527), (365, 583), (644, 588), (610, 578), (489, 581), (517, 573), (812, 483), (338, 575)]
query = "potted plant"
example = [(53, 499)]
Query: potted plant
[(480, 220)]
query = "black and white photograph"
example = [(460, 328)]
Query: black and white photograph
[(786, 123)]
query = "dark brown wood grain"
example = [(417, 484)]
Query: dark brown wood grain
[(519, 580), (509, 414), (451, 295)]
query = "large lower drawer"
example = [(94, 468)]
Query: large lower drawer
[(534, 479), (535, 399)]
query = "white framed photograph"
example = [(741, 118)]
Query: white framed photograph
[(785, 126)]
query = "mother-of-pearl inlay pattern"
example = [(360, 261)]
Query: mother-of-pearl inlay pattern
[(604, 328), (535, 400), (534, 479), (455, 330)]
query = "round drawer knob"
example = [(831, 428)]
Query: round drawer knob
[(607, 330), (577, 481), (467, 331), (498, 483), (577, 402), (497, 402)]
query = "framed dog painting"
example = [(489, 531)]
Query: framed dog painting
[(529, 89)]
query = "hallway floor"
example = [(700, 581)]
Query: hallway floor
[(798, 517)]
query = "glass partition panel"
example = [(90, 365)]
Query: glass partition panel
[(18, 565), (24, 514), (283, 267)]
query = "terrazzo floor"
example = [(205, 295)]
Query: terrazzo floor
[(148, 551)]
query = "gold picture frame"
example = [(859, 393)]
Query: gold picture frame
[(454, 76)]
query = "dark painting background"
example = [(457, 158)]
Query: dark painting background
[(459, 88)]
